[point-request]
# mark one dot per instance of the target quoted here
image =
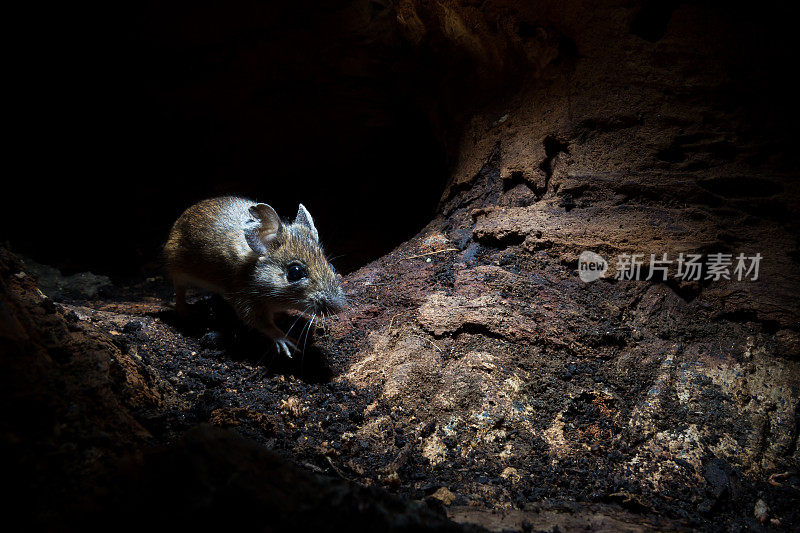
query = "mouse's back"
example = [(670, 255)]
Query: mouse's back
[(207, 246)]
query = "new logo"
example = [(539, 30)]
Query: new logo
[(591, 266)]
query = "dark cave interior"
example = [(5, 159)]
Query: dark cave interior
[(281, 102), (149, 107)]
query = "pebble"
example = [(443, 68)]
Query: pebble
[(132, 326), (761, 511), (212, 339)]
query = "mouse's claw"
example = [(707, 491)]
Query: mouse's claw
[(285, 346)]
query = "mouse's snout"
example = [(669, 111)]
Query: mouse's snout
[(332, 302)]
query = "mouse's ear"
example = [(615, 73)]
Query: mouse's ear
[(304, 218), (263, 228)]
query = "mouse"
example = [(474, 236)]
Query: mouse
[(260, 264)]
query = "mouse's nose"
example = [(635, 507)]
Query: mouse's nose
[(334, 302)]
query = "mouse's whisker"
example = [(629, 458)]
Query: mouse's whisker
[(296, 320), (308, 332), (305, 330)]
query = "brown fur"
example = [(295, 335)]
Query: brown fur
[(207, 247)]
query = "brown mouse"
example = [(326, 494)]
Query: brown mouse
[(261, 265)]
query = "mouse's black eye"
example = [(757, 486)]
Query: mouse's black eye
[(296, 272)]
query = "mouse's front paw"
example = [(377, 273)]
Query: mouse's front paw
[(285, 346)]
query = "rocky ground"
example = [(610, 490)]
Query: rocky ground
[(484, 379), (475, 380)]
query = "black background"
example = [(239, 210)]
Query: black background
[(129, 113)]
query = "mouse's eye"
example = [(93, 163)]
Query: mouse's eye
[(296, 272)]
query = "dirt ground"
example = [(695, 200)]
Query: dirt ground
[(486, 380)]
